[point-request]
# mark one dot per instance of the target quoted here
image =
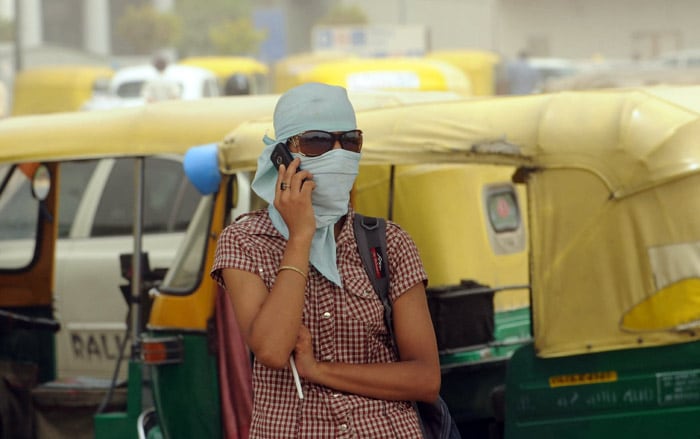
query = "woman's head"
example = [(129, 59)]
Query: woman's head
[(313, 106)]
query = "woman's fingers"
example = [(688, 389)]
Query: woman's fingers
[(293, 198)]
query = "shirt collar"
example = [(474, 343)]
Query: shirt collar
[(346, 232)]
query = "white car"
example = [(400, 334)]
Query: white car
[(125, 87), (94, 227)]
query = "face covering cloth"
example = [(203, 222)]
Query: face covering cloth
[(307, 107)]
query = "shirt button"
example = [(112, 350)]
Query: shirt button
[(343, 427), (326, 315), (367, 292)]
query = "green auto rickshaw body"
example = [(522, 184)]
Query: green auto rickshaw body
[(611, 181)]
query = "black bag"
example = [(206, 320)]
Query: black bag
[(462, 315), (370, 233)]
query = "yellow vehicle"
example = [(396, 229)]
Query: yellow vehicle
[(237, 75), (396, 74), (53, 89), (612, 184), (286, 71), (479, 66)]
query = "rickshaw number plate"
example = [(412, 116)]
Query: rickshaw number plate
[(682, 387)]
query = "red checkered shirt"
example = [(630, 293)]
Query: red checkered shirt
[(346, 324)]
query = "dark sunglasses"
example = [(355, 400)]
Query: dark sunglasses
[(316, 142)]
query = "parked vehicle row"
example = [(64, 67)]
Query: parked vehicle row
[(611, 246)]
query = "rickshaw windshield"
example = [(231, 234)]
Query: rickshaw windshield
[(184, 274), (18, 219)]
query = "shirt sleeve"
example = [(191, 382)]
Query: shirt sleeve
[(232, 252), (405, 265)]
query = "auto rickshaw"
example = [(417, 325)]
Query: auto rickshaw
[(612, 263), (32, 329), (237, 75), (286, 71), (52, 89), (479, 66), (392, 73)]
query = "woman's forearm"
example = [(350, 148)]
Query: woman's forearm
[(274, 329), (402, 381)]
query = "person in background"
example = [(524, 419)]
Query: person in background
[(299, 288), (160, 88), (522, 78)]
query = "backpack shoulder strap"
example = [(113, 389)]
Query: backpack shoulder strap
[(370, 234)]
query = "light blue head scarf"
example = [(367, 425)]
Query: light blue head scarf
[(311, 106)]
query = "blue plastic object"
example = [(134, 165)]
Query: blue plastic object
[(201, 165)]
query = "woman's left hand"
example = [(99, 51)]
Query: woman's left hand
[(304, 354)]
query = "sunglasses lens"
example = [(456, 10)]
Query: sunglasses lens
[(352, 140), (313, 143)]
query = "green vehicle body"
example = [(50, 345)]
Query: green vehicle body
[(649, 392)]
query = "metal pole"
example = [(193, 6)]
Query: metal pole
[(402, 11), (136, 280), (18, 36), (392, 175)]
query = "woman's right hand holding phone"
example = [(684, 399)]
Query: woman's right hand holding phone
[(293, 200)]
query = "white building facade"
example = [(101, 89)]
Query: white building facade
[(549, 28), (545, 28)]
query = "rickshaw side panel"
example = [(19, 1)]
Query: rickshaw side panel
[(649, 392), (596, 262), (187, 394)]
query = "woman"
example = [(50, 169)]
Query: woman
[(299, 289)]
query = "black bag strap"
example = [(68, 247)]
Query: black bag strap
[(370, 234)]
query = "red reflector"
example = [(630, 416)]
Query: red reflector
[(163, 350)]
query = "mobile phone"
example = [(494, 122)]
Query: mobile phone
[(281, 156)]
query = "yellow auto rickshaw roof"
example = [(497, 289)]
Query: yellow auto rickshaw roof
[(163, 127), (629, 138), (227, 65), (425, 74), (62, 73)]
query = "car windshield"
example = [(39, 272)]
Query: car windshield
[(130, 89)]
